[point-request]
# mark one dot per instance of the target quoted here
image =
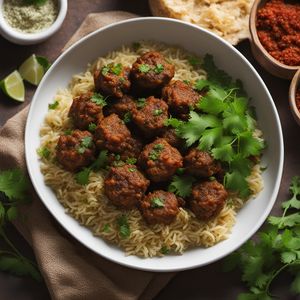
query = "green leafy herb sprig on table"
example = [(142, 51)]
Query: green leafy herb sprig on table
[(13, 188), (224, 126), (276, 250)]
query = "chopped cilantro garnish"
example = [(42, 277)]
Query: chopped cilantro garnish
[(116, 69), (92, 127), (141, 102), (68, 131), (164, 250), (127, 117), (131, 161), (157, 202), (106, 228), (98, 99), (105, 70), (43, 152), (87, 141), (53, 105), (144, 68), (181, 185), (186, 82), (194, 61), (132, 169), (158, 68), (155, 152), (157, 112), (124, 229)]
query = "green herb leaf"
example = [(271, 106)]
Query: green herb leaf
[(164, 250), (106, 228), (92, 127), (194, 61), (53, 105), (82, 177), (155, 152), (141, 102), (157, 202), (236, 182), (124, 229), (105, 70), (43, 61), (131, 161), (181, 185), (144, 68), (98, 99), (158, 68), (157, 112), (43, 152), (127, 117), (14, 184), (132, 169), (12, 213)]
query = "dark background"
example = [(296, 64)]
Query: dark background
[(208, 282)]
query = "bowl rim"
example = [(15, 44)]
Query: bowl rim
[(17, 36), (295, 84), (156, 267), (255, 40)]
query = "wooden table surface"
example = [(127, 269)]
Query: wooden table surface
[(208, 282)]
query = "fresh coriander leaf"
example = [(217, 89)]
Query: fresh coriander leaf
[(236, 182), (136, 46), (53, 105), (43, 152), (87, 142), (211, 104), (82, 177), (252, 269), (223, 153), (127, 117), (141, 102), (106, 228), (158, 68), (231, 261), (14, 184), (241, 164), (2, 213), (43, 61), (116, 69), (12, 213), (92, 127), (249, 145), (164, 250), (194, 61), (105, 70), (144, 68), (173, 122), (124, 229), (131, 161), (288, 257), (157, 112), (181, 185), (235, 124), (295, 190), (101, 161), (132, 169), (295, 286), (209, 138), (200, 84), (98, 99), (288, 221), (157, 202), (155, 152)]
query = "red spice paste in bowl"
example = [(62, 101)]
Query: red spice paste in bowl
[(278, 29)]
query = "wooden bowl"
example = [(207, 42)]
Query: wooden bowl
[(260, 53), (295, 84)]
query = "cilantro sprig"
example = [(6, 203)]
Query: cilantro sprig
[(224, 127), (124, 228), (14, 186), (277, 249), (99, 99)]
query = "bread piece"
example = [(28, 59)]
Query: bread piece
[(227, 18)]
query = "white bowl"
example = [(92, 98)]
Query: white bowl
[(199, 41), (23, 38)]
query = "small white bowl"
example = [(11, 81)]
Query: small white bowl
[(23, 38)]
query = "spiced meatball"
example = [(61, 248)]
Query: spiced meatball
[(125, 186), (84, 111), (160, 160), (159, 207), (181, 98), (111, 134), (169, 134), (76, 150), (151, 117), (207, 199), (150, 72), (201, 163), (122, 107), (112, 80), (132, 148)]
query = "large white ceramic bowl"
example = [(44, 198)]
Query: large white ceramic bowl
[(199, 41)]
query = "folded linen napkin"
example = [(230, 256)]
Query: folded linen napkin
[(70, 270)]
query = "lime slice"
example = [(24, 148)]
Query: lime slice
[(31, 70), (13, 86)]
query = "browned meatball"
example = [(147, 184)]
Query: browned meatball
[(125, 186), (111, 134), (75, 151), (181, 98), (160, 160), (169, 134), (207, 200), (112, 80), (122, 107), (151, 72), (159, 207), (84, 111), (151, 117), (201, 163)]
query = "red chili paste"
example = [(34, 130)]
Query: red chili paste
[(278, 29)]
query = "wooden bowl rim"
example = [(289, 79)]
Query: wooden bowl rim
[(254, 38), (295, 84)]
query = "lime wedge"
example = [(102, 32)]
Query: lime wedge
[(13, 86), (31, 70)]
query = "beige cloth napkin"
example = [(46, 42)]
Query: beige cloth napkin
[(70, 270)]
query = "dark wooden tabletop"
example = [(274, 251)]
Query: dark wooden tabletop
[(208, 282)]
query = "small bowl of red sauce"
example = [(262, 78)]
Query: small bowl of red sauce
[(275, 36), (294, 97)]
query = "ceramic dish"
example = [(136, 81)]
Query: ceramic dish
[(295, 84), (21, 38), (259, 52), (200, 42)]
